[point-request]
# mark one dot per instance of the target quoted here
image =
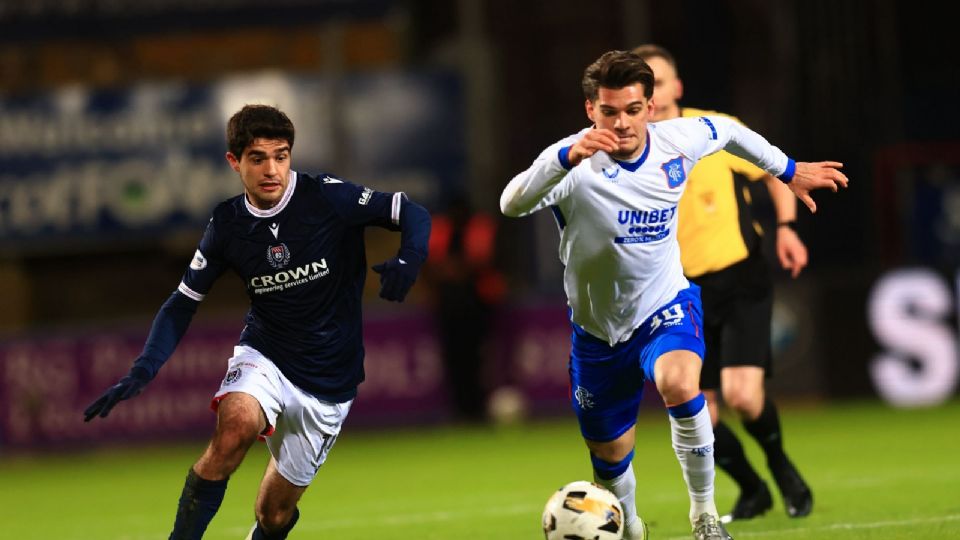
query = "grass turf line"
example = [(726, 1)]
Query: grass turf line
[(877, 473)]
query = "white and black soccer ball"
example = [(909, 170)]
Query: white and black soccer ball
[(583, 511)]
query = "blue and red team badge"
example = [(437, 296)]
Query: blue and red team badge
[(674, 171), (232, 376), (278, 256)]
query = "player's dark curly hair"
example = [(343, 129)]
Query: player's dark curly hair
[(617, 69), (257, 122)]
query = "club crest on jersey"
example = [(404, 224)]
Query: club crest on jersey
[(584, 397), (278, 256), (232, 376), (674, 171)]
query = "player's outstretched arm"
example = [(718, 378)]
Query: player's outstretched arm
[(811, 176), (398, 274), (800, 177), (169, 326)]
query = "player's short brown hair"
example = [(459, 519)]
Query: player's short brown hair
[(617, 69), (257, 122)]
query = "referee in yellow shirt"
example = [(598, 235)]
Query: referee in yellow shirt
[(720, 252)]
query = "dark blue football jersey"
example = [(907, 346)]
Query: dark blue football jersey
[(304, 264)]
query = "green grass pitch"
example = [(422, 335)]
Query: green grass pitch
[(876, 472)]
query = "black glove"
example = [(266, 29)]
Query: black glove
[(128, 387), (397, 276)]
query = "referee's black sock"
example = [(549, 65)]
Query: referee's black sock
[(260, 534), (729, 456), (199, 502), (766, 430)]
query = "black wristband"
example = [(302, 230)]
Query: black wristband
[(790, 224)]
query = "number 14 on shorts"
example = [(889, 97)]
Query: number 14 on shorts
[(670, 316)]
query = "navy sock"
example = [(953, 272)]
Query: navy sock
[(766, 430), (260, 534), (199, 502), (729, 456), (608, 471)]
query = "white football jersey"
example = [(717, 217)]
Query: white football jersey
[(618, 220)]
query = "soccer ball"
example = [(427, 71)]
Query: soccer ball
[(583, 511)]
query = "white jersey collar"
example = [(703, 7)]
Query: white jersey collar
[(270, 212)]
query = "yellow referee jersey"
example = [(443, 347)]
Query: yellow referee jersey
[(709, 231)]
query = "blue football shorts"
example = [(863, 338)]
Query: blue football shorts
[(606, 383)]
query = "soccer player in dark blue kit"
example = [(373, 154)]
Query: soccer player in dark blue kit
[(297, 242)]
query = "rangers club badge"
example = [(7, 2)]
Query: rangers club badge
[(278, 256), (674, 171), (584, 397)]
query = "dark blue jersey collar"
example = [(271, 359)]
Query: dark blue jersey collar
[(632, 166)]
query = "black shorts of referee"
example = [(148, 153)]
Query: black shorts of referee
[(737, 309)]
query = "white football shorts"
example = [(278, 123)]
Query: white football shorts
[(301, 428)]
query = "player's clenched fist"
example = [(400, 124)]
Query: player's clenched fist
[(592, 142), (397, 276)]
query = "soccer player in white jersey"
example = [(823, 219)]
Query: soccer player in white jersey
[(614, 189), (296, 240)]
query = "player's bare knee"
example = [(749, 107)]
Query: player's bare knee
[(678, 390), (272, 517), (733, 398), (232, 441), (229, 445), (743, 401), (223, 456), (610, 453), (613, 451)]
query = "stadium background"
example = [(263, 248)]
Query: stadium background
[(111, 119)]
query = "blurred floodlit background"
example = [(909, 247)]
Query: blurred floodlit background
[(112, 115)]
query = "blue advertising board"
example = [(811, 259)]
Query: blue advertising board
[(149, 159)]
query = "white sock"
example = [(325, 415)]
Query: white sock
[(693, 444), (625, 488)]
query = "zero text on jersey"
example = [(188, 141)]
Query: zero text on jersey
[(645, 225)]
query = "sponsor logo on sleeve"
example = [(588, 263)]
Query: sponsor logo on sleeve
[(365, 196), (199, 262)]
